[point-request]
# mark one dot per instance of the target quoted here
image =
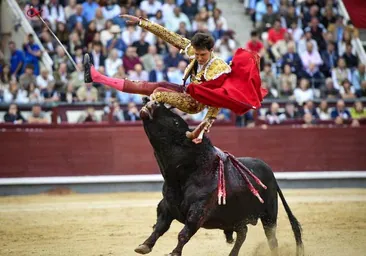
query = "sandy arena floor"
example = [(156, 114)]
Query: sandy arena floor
[(334, 224)]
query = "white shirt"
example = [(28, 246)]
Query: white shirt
[(42, 83), (167, 10), (173, 22), (303, 96), (110, 14), (111, 66), (212, 24), (150, 9)]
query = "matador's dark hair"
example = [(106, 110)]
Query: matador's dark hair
[(202, 41)]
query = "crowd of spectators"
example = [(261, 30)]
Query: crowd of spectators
[(307, 53), (117, 49)]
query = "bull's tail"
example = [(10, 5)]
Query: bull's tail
[(295, 224)]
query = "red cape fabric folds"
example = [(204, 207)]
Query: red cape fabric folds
[(239, 91)]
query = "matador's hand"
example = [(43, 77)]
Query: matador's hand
[(132, 20)]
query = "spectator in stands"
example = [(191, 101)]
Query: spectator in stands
[(261, 9), (303, 93), (187, 34), (311, 58), (296, 32), (141, 45), (69, 95), (131, 114), (77, 77), (59, 58), (162, 47), (13, 115), (172, 24), (328, 91), (216, 18), (70, 9), (328, 17), (225, 46), (347, 91), (288, 77), (190, 9), (34, 94), (105, 34), (309, 108), (318, 32), (44, 78), (340, 111), (158, 74), (5, 75), (130, 59), (32, 53), (89, 10), (290, 18), (268, 19), (159, 18), (255, 45), (96, 56), (272, 92), (175, 74), (268, 76), (323, 110), (314, 76), (150, 7), (87, 93), (37, 116), (150, 59), (358, 111), (309, 121), (302, 46), (293, 59), (285, 90), (276, 33), (90, 32), (15, 94), (340, 73), (359, 76), (77, 17), (350, 58), (100, 20), (53, 12), (138, 74), (111, 10), (130, 34), (290, 112), (308, 16), (330, 59), (362, 92), (173, 58), (280, 48), (49, 94), (16, 60), (112, 63), (49, 43), (347, 39), (28, 77), (168, 8), (61, 77), (116, 42), (89, 116), (274, 116)]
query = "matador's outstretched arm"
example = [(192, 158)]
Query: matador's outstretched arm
[(170, 37)]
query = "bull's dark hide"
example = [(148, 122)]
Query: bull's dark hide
[(190, 172)]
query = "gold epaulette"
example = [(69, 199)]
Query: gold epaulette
[(215, 68)]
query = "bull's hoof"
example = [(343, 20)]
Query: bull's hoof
[(230, 241), (143, 249)]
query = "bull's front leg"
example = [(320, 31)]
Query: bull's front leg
[(195, 219), (162, 225)]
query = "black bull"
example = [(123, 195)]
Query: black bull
[(190, 173)]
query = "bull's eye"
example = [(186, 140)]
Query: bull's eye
[(176, 122)]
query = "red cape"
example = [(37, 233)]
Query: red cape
[(239, 91)]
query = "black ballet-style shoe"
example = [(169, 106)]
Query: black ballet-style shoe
[(87, 65)]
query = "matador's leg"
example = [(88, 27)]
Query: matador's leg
[(181, 101), (186, 103), (136, 87)]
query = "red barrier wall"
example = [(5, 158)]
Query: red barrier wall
[(75, 151)]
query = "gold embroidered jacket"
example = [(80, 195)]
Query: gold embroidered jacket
[(212, 70)]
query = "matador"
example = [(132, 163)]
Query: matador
[(214, 83)]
